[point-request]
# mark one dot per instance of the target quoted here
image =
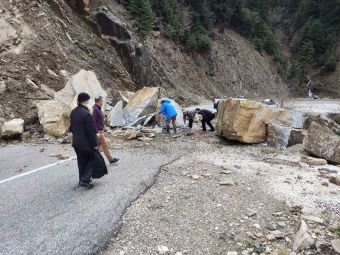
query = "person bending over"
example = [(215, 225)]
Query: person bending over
[(207, 117)]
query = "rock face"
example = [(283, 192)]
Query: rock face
[(83, 81), (54, 117), (12, 128), (144, 102), (136, 57), (246, 121), (323, 140)]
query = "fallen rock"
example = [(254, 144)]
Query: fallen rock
[(162, 249), (195, 177), (124, 96), (48, 91), (12, 129), (323, 139), (335, 180), (336, 245), (54, 117), (83, 81), (232, 253), (130, 134), (143, 103), (313, 161), (144, 138), (2, 87), (278, 135), (114, 113), (311, 218), (246, 121), (302, 239), (226, 182)]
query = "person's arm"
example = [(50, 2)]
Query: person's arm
[(91, 131), (162, 111)]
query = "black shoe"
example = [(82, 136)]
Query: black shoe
[(85, 185), (114, 160)]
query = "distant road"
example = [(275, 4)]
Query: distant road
[(317, 106), (302, 105)]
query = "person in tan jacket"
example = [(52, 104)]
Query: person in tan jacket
[(98, 119)]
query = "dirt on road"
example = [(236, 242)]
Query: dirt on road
[(221, 197)]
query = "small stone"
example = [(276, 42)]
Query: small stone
[(314, 161), (278, 213), (178, 253), (232, 253), (195, 177), (325, 184), (226, 182), (313, 219), (270, 237), (259, 235), (226, 171), (251, 214), (281, 224), (272, 226), (335, 180), (277, 233), (2, 87), (245, 252), (336, 245), (257, 226), (162, 249)]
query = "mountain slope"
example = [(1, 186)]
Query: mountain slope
[(46, 41)]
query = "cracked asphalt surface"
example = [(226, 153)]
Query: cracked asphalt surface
[(41, 213)]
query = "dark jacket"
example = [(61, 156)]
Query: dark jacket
[(206, 114), (98, 117), (83, 129)]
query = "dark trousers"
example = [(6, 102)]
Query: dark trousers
[(208, 122), (191, 122), (85, 160)]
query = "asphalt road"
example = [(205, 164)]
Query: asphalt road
[(41, 213)]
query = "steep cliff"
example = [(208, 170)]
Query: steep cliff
[(42, 42)]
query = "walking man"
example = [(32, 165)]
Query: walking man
[(169, 111), (98, 119), (90, 163), (207, 117)]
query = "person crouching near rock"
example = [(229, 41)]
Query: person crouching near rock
[(207, 117), (190, 116), (98, 119), (85, 143), (170, 114)]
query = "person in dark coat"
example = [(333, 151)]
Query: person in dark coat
[(207, 117), (85, 143)]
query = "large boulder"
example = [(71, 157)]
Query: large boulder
[(54, 117), (13, 128), (323, 139), (144, 102), (246, 121), (83, 81), (281, 136)]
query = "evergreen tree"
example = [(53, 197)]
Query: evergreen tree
[(142, 13)]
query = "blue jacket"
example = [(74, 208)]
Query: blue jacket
[(168, 110)]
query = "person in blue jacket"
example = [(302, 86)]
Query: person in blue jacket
[(169, 112)]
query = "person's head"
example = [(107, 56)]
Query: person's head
[(83, 98), (99, 100), (197, 110)]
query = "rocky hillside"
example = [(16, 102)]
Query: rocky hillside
[(43, 42)]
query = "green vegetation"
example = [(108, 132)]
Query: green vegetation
[(316, 21), (141, 11)]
